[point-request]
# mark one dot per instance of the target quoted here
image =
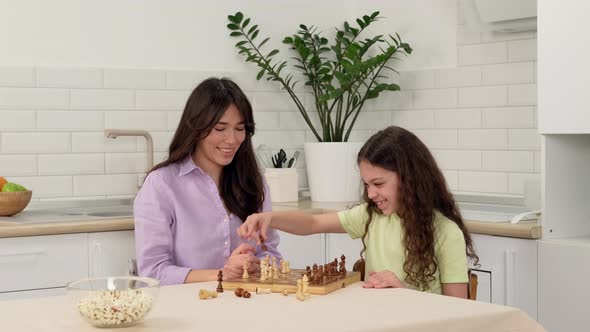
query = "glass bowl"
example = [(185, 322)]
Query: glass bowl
[(113, 301)]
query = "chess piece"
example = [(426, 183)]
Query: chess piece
[(263, 290), (219, 280), (299, 293), (304, 286), (263, 246), (308, 272), (283, 267), (245, 274), (263, 275), (269, 272), (205, 294), (285, 292), (247, 294), (288, 267), (343, 264), (320, 277), (239, 292), (314, 273)]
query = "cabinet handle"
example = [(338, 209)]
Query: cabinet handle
[(510, 271), (97, 250)]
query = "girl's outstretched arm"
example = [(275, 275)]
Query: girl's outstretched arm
[(293, 222), (455, 289)]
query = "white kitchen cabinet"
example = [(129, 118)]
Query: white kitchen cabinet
[(563, 286), (512, 267), (563, 71), (109, 253), (302, 251), (484, 285), (39, 262)]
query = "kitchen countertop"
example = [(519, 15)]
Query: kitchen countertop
[(74, 223)]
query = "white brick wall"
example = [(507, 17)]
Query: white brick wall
[(478, 118)]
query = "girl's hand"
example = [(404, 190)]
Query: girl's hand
[(255, 226), (383, 279), (234, 266)]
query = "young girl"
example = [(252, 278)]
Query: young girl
[(189, 207), (411, 229)]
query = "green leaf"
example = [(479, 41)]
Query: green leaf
[(252, 29), (254, 34), (288, 40), (245, 24), (360, 23), (375, 14), (273, 52), (263, 42), (236, 34), (240, 43), (303, 27), (239, 16), (232, 18), (260, 73), (233, 26)]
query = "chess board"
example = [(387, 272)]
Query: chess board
[(289, 282)]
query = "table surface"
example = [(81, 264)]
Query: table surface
[(178, 308)]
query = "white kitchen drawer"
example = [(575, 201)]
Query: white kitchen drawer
[(42, 261)]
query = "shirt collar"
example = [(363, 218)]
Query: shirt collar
[(187, 165)]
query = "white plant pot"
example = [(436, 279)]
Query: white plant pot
[(332, 171)]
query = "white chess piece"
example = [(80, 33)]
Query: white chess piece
[(283, 267), (299, 293), (304, 286), (263, 271), (288, 266), (245, 275)]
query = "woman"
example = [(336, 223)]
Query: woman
[(189, 207)]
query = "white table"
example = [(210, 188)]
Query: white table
[(178, 308)]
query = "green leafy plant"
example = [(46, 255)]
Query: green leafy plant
[(342, 76)]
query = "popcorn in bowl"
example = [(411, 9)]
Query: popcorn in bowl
[(114, 301)]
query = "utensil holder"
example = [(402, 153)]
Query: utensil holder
[(283, 184)]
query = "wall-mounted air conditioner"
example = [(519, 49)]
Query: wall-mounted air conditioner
[(500, 15)]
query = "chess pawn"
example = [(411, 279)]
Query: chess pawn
[(263, 270), (275, 272), (245, 275), (288, 266), (299, 293), (304, 286), (283, 267), (269, 272), (274, 261)]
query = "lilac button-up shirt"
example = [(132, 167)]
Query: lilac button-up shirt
[(181, 224)]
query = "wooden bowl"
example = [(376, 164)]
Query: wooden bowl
[(12, 203)]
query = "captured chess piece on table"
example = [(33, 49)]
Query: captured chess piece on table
[(219, 280)]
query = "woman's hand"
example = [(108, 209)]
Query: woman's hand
[(383, 279), (234, 266), (255, 226)]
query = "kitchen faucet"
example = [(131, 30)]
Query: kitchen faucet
[(114, 133)]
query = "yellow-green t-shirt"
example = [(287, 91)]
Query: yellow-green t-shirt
[(385, 250)]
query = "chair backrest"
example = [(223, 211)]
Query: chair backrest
[(359, 266), (472, 286)]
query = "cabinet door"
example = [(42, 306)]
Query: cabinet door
[(110, 252), (302, 251), (513, 266), (42, 261), (563, 286), (341, 244)]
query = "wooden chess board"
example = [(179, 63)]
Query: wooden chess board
[(289, 282)]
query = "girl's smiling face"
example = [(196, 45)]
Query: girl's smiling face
[(382, 187)]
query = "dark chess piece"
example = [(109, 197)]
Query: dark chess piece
[(343, 264), (219, 280)]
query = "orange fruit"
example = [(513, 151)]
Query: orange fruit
[(2, 182)]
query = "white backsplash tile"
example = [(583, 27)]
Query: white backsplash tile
[(107, 184), (36, 142), (66, 164), (18, 165), (34, 98), (70, 120), (17, 76), (134, 79), (97, 142), (67, 77), (94, 99), (17, 120)]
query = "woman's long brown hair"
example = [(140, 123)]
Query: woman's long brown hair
[(241, 187), (422, 191)]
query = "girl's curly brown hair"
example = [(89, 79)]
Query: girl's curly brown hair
[(422, 191)]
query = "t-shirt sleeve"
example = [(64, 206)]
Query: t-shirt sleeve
[(354, 220), (451, 254)]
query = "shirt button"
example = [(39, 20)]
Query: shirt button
[(226, 219), (226, 243)]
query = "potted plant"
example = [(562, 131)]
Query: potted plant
[(341, 76)]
